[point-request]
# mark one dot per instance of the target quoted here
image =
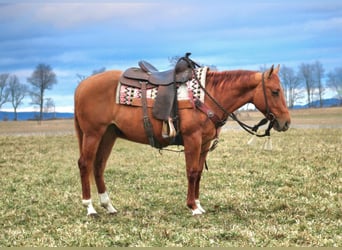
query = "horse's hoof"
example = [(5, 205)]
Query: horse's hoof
[(196, 212), (110, 209), (94, 215), (113, 213), (199, 207)]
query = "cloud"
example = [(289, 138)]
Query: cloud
[(144, 15), (77, 37), (76, 14), (324, 25)]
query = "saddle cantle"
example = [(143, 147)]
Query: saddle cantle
[(147, 67)]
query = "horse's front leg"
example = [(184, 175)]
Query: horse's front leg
[(203, 156), (194, 169)]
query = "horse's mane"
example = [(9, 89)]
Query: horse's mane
[(233, 76)]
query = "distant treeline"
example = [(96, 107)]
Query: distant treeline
[(35, 116)]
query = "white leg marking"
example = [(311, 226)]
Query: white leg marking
[(89, 205), (196, 212), (200, 208), (106, 203)]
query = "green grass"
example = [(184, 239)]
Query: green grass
[(290, 196)]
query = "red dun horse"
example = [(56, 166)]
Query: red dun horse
[(99, 121)]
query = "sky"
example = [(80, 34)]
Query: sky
[(77, 37)]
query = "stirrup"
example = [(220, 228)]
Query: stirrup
[(168, 130)]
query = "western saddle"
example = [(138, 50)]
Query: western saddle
[(165, 105), (153, 77)]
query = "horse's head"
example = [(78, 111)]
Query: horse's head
[(270, 100)]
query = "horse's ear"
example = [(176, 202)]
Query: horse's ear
[(270, 71), (276, 70)]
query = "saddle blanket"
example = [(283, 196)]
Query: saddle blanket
[(128, 95)]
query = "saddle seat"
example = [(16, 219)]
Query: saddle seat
[(148, 73)]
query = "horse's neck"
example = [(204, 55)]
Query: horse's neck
[(232, 89)]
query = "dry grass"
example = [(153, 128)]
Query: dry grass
[(51, 127), (291, 196), (306, 118)]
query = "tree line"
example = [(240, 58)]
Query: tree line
[(42, 78), (308, 81), (12, 90)]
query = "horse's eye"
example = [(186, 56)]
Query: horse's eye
[(275, 92)]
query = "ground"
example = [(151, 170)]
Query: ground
[(290, 196)]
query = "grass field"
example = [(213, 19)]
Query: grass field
[(291, 196)]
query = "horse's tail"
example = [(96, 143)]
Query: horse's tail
[(79, 132), (78, 129)]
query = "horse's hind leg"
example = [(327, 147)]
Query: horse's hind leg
[(103, 152), (89, 146)]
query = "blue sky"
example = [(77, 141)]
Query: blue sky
[(77, 37)]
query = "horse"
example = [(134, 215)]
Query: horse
[(99, 120)]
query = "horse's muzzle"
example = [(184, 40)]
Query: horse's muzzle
[(281, 126)]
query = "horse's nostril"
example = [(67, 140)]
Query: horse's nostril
[(287, 125)]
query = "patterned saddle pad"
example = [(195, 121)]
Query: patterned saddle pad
[(131, 96)]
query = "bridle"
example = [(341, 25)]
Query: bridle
[(269, 116)]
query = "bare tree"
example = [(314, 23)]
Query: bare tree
[(98, 71), (17, 92), (173, 60), (306, 75), (80, 77), (286, 74), (263, 68), (50, 107), (291, 85), (335, 81), (213, 67), (3, 88), (42, 79), (318, 72), (95, 71)]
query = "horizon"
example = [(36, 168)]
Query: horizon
[(246, 107)]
